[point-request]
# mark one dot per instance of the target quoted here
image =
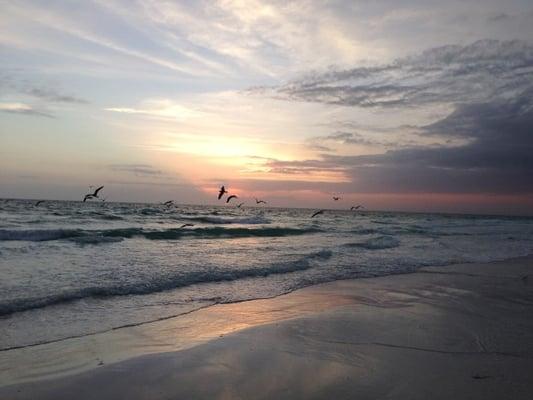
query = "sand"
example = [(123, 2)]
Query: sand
[(461, 332)]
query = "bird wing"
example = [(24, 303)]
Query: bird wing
[(318, 212), (87, 196), (221, 192), (95, 194), (231, 197)]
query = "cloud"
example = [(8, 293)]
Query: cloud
[(21, 108), (495, 159), (158, 108), (483, 145), (348, 138), (447, 74), (136, 169), (21, 84), (53, 96)]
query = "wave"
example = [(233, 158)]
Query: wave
[(95, 239), (392, 230), (377, 243), (39, 235), (256, 220), (150, 211), (163, 283)]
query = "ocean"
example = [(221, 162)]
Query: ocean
[(70, 269)]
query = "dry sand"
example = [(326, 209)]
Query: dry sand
[(461, 332)]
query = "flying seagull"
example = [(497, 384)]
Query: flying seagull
[(316, 213), (257, 201), (231, 197), (39, 202), (92, 195), (336, 198), (221, 192), (240, 205), (356, 207), (184, 225), (168, 203)]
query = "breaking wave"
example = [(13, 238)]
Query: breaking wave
[(38, 235), (164, 283), (256, 220)]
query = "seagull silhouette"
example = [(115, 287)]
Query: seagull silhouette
[(221, 192), (356, 207), (231, 197), (316, 213), (240, 205), (39, 202), (336, 198), (168, 203), (257, 201), (184, 225), (92, 195)]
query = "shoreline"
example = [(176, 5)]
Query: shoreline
[(440, 288), (139, 324)]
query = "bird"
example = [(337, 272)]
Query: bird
[(168, 203), (92, 195), (257, 201), (240, 205), (316, 213), (221, 192), (356, 207), (38, 202), (233, 196), (336, 198), (184, 225)]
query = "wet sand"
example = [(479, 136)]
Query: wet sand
[(462, 332)]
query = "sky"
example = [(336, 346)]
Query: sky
[(396, 104)]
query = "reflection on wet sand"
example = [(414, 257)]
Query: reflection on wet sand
[(434, 334)]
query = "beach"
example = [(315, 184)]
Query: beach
[(232, 200), (461, 331)]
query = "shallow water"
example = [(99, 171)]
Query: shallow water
[(70, 268)]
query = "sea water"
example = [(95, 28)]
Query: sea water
[(70, 269)]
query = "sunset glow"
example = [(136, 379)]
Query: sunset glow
[(358, 99)]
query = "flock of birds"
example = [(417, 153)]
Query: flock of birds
[(337, 198), (221, 193)]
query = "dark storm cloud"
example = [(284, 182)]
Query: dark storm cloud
[(136, 169), (489, 84), (447, 74), (496, 159)]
